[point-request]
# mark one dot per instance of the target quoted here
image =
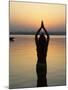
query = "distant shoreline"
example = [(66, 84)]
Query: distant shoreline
[(34, 34)]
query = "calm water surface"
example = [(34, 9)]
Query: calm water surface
[(23, 59)]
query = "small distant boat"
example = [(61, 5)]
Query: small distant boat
[(12, 38)]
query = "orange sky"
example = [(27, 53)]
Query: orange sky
[(30, 15)]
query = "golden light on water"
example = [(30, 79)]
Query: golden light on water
[(23, 60)]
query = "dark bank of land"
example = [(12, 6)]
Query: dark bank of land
[(33, 33)]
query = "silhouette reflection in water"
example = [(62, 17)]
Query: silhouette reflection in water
[(42, 46)]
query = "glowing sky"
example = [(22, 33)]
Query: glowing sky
[(26, 17)]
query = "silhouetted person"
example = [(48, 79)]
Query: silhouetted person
[(42, 46)]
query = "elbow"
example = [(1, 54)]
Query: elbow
[(48, 37)]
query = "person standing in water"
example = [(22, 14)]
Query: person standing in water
[(41, 48)]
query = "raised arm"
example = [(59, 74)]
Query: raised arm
[(42, 25), (47, 34), (36, 36)]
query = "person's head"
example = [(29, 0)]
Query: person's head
[(42, 38), (42, 35)]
